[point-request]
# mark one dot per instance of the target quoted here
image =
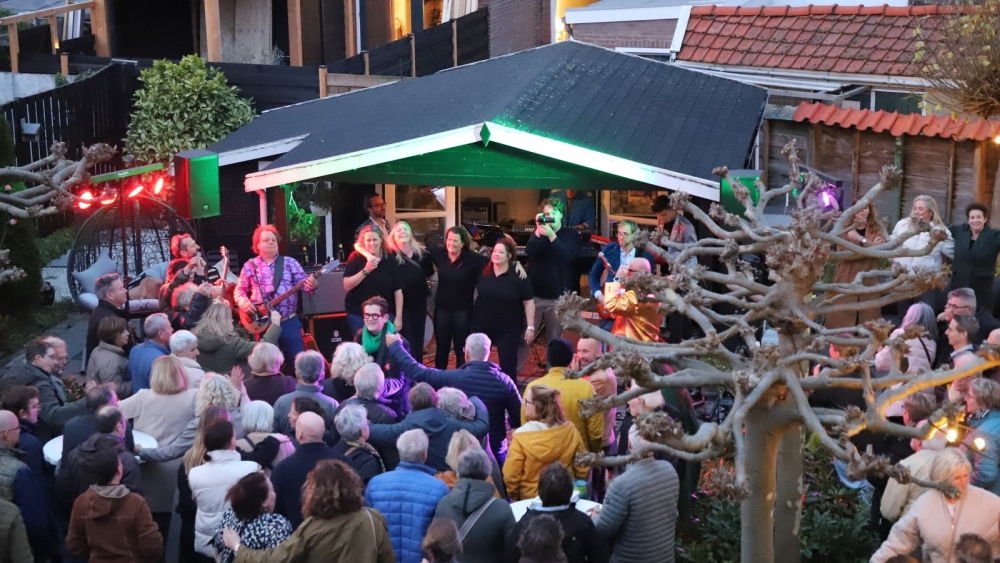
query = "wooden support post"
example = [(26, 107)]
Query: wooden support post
[(54, 33), (322, 81), (814, 141), (454, 42), (280, 199), (949, 200), (64, 63), (367, 68), (856, 164), (15, 48), (99, 27), (413, 55), (295, 32), (350, 40), (213, 31), (898, 160)]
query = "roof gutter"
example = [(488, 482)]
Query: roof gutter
[(859, 79), (592, 15)]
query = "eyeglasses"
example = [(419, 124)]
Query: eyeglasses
[(956, 306), (378, 205), (371, 316), (10, 429)]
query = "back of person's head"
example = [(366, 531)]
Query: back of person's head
[(461, 441), (332, 489), (168, 376), (555, 485), (218, 436), (266, 358), (423, 396), (258, 416), (972, 548), (217, 391), (309, 428), (307, 404), (99, 397), (477, 347), (36, 347), (441, 544), (104, 464), (183, 297), (542, 540), (559, 353), (922, 315), (351, 422), (412, 446), (309, 367), (155, 324), (195, 455), (548, 409), (348, 358), (182, 340), (474, 464), (247, 496), (108, 419), (18, 398), (216, 321), (369, 381), (919, 406), (455, 403)]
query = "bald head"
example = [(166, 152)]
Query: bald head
[(640, 265), (994, 338), (8, 422), (587, 350), (309, 428)]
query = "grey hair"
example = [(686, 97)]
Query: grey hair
[(258, 416), (946, 462), (987, 392), (967, 324), (154, 324), (183, 296), (309, 366), (454, 403), (266, 358), (347, 360), (351, 422), (477, 346), (412, 446), (104, 283), (921, 314), (182, 340), (635, 439), (369, 381), (474, 464), (217, 391), (965, 294)]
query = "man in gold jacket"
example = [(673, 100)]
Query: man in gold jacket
[(633, 319)]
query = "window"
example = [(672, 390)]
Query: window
[(427, 209)]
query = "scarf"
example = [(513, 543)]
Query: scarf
[(977, 415), (366, 447), (371, 342)]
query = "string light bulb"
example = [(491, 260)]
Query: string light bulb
[(85, 199), (979, 443), (158, 187), (136, 191), (952, 434)]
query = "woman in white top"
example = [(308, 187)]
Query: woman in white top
[(211, 481), (162, 411), (184, 347), (924, 208)]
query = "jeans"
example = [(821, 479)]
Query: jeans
[(451, 328), (290, 342)]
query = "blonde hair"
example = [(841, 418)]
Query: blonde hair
[(415, 247), (461, 442), (347, 360), (196, 455), (217, 391), (168, 376), (933, 206), (217, 321)]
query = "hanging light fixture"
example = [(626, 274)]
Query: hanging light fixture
[(158, 187), (136, 191), (85, 199)]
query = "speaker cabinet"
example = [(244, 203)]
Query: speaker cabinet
[(329, 331), (196, 177), (328, 297)]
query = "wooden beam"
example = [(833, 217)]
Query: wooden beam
[(949, 200), (15, 47), (413, 55), (367, 63), (54, 34), (64, 64), (454, 42), (43, 14), (213, 31), (99, 27), (856, 164), (295, 32), (322, 81), (350, 41)]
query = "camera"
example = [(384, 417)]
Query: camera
[(543, 219)]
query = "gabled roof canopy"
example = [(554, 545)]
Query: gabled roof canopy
[(562, 110)]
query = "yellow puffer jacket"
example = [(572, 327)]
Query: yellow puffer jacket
[(534, 447)]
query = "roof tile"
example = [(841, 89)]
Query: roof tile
[(897, 124)]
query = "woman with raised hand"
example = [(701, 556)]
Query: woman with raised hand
[(368, 274)]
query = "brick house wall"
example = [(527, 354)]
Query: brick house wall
[(654, 34), (516, 25)]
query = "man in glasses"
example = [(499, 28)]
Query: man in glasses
[(617, 254), (40, 363), (962, 301), (372, 337), (375, 206), (632, 317)]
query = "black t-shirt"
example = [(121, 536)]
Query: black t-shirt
[(553, 264), (457, 280), (499, 305), (412, 277), (383, 280)]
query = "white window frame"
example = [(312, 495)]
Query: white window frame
[(392, 215)]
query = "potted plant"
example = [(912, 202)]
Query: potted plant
[(320, 198), (302, 225)]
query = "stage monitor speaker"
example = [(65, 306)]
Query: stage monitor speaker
[(329, 331), (329, 296), (196, 179)]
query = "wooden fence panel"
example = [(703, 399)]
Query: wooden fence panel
[(876, 150), (781, 133), (434, 50), (474, 37), (835, 156), (965, 180), (392, 59), (925, 169)]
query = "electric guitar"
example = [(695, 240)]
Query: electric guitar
[(258, 321)]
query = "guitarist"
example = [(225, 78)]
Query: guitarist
[(268, 275), (617, 254)]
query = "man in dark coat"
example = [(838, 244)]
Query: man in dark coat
[(79, 428), (111, 297), (369, 384), (19, 486), (438, 426), (962, 301), (478, 377), (36, 371), (290, 473)]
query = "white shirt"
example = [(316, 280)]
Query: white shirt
[(933, 260)]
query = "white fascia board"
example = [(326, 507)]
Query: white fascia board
[(258, 152), (680, 29), (589, 15), (843, 78), (640, 51), (360, 159), (595, 160)]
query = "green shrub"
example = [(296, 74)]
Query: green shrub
[(56, 244), (183, 106)]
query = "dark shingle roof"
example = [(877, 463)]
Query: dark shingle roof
[(621, 105)]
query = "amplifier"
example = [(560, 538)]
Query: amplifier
[(328, 297), (329, 331)]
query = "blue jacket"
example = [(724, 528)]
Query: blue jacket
[(407, 497), (290, 474), (140, 363), (613, 253), (476, 379), (438, 426), (984, 463)]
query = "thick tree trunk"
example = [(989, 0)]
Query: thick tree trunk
[(788, 506), (757, 511)]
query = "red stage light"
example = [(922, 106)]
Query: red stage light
[(86, 197), (109, 198), (159, 186), (136, 191)]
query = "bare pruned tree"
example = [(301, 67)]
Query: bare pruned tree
[(771, 383)]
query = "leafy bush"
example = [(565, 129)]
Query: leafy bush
[(56, 244), (834, 521), (183, 106)]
